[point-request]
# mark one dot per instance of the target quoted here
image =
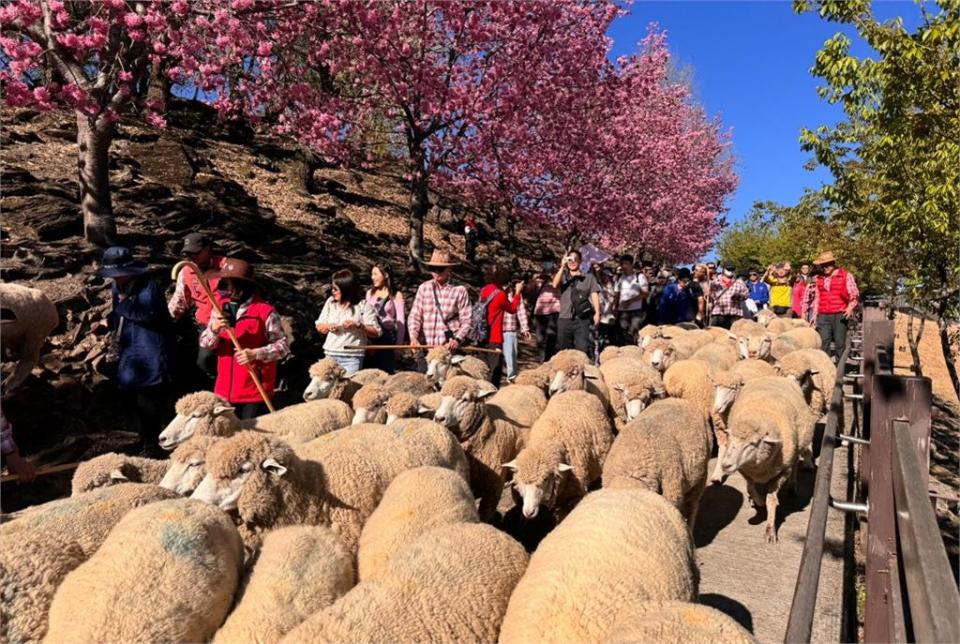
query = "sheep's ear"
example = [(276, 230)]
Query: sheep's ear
[(645, 342), (510, 465), (457, 359), (813, 372), (272, 466), (772, 440), (118, 475), (619, 387), (592, 373), (423, 409), (219, 410), (485, 393), (563, 467)]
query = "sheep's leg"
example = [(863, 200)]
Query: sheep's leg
[(718, 476), (773, 502), (753, 494), (693, 504)]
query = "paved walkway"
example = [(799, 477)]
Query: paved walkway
[(753, 581)]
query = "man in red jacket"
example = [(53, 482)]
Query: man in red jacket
[(498, 303), (835, 301)]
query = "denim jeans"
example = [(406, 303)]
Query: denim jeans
[(510, 351), (351, 363)]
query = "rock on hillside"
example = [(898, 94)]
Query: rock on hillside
[(244, 191)]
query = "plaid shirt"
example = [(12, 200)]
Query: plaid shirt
[(548, 300), (426, 322), (182, 298), (727, 301), (277, 347), (510, 321), (811, 304), (7, 446)]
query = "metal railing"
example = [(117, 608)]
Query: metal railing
[(910, 592)]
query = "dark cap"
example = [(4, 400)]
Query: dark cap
[(194, 243)]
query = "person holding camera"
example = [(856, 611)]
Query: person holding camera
[(500, 303), (579, 304)]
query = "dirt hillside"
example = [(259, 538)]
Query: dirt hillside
[(244, 191)]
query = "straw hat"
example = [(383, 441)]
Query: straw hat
[(825, 258), (440, 259)]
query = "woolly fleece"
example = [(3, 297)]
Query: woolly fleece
[(112, 468), (676, 621)]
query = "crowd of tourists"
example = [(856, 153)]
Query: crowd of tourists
[(568, 304)]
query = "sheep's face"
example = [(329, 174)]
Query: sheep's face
[(402, 405), (321, 387), (765, 316), (636, 398), (462, 411), (757, 449), (724, 396), (570, 379), (442, 368), (536, 483), (754, 346), (183, 476), (374, 413), (205, 419), (661, 358), (224, 488)]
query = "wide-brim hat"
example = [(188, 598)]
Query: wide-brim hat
[(825, 258), (235, 269), (118, 262), (441, 259)]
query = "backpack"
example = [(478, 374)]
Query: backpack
[(479, 331), (580, 303)]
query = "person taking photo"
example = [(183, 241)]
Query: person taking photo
[(579, 304)]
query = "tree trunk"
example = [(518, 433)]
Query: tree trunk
[(419, 207), (93, 171), (946, 347), (913, 341)]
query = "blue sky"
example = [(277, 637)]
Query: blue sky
[(750, 63)]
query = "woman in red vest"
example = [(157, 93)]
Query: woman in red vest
[(834, 302), (260, 333)]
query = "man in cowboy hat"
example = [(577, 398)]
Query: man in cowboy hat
[(260, 333), (833, 300), (141, 346), (197, 248), (440, 314)]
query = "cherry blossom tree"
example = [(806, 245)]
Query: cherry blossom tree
[(90, 56)]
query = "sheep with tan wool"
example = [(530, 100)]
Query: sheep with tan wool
[(203, 413), (652, 331), (633, 385), (666, 450), (370, 402), (538, 377), (754, 342), (692, 380), (517, 404), (718, 333), (626, 351), (746, 325), (720, 354), (450, 585), (616, 547), (443, 364), (571, 370), (675, 621), (486, 434), (815, 372), (166, 573), (329, 380), (406, 405), (28, 317), (188, 465), (300, 570), (770, 430), (781, 346), (416, 502), (777, 326), (112, 468), (660, 353), (564, 453), (805, 337)]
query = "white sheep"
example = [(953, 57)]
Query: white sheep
[(665, 449), (564, 453), (815, 372), (633, 385), (443, 364), (329, 380), (28, 317), (571, 370), (486, 432), (166, 573), (770, 429), (450, 585), (188, 465), (300, 570), (112, 468), (675, 621), (416, 502), (203, 413), (616, 546)]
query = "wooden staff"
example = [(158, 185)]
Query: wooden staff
[(42, 471), (233, 337), (382, 347)]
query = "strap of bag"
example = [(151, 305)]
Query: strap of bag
[(722, 293), (436, 298)]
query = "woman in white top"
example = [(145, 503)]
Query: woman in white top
[(347, 321)]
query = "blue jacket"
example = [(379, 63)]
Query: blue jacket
[(759, 292), (677, 305), (146, 336)]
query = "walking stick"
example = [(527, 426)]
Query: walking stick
[(43, 471), (233, 337), (382, 347)]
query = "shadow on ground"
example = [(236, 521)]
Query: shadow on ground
[(719, 507), (731, 607)]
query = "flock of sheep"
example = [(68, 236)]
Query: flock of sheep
[(370, 511)]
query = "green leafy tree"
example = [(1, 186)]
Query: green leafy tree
[(896, 158)]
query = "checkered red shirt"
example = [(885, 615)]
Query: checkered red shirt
[(727, 301), (548, 299), (426, 323), (513, 323)]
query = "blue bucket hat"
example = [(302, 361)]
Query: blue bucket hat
[(118, 262)]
